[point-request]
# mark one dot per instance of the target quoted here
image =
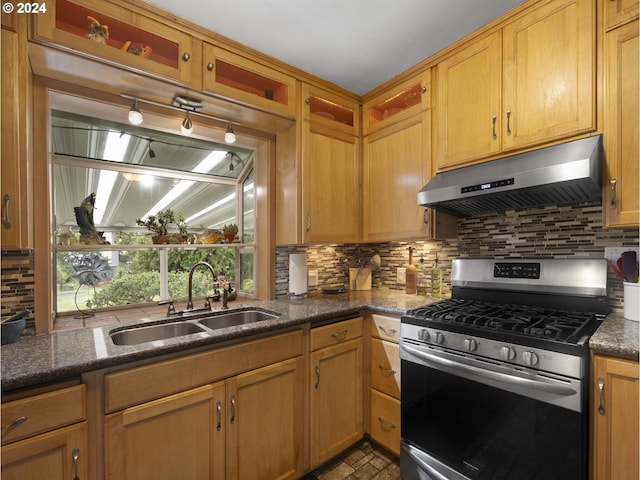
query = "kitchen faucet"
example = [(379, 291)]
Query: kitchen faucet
[(198, 264)]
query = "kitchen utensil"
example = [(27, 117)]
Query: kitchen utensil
[(75, 453), (630, 266), (619, 273), (17, 316), (360, 278)]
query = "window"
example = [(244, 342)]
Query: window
[(125, 174)]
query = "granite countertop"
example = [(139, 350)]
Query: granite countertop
[(66, 354), (617, 337), (39, 359)]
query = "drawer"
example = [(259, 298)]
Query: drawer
[(335, 333), (42, 413), (384, 327), (385, 367), (385, 421), (142, 384)]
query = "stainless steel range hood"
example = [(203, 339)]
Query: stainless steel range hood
[(568, 173)]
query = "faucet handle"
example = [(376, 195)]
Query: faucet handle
[(171, 310)]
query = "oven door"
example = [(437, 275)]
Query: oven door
[(465, 417)]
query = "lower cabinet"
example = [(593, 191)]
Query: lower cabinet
[(336, 389), (45, 435), (616, 432), (384, 372), (247, 422)]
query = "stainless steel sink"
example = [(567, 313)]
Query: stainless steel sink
[(233, 319), (136, 335)]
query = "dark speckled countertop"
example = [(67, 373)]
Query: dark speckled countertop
[(68, 354)]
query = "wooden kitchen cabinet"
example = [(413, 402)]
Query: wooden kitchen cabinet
[(336, 386), (384, 372), (530, 83), (618, 12), (135, 40), (621, 206), (398, 103), (330, 178), (241, 79), (40, 434), (235, 412), (616, 433), (16, 230)]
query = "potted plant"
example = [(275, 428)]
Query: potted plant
[(158, 224), (230, 231)]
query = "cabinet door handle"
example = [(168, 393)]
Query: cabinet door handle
[(613, 182), (388, 371), (317, 370), (308, 222), (219, 411), (385, 424), (14, 423), (601, 409), (342, 334), (232, 420), (186, 56), (425, 217), (508, 122), (75, 454), (210, 66), (493, 127), (7, 223)]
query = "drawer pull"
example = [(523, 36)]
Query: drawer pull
[(389, 371), (385, 424), (219, 411), (391, 332), (15, 423), (342, 334)]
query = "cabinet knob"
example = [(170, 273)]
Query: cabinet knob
[(186, 56), (307, 100), (423, 89), (210, 66)]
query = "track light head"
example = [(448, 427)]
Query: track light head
[(187, 126), (230, 136), (135, 117)]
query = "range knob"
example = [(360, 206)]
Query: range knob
[(470, 345), (438, 338), (507, 353), (529, 358), (423, 335)]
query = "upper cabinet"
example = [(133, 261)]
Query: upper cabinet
[(238, 78), (330, 109), (621, 206), (531, 83), (405, 100), (120, 35), (617, 12)]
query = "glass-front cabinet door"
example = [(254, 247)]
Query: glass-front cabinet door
[(330, 109)]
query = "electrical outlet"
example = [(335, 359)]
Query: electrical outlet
[(312, 278), (614, 253), (401, 276)]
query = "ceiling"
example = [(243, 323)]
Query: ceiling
[(356, 44)]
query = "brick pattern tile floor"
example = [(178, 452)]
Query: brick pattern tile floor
[(364, 461)]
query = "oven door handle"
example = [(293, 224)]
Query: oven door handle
[(469, 370)]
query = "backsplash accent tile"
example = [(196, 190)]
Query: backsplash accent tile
[(17, 284), (550, 232)]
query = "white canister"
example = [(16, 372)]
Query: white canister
[(631, 301)]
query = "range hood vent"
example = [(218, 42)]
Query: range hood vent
[(569, 173)]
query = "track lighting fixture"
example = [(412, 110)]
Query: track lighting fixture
[(187, 126), (230, 136), (135, 117)]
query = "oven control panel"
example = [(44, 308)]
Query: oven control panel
[(516, 270)]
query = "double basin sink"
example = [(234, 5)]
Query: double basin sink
[(138, 334)]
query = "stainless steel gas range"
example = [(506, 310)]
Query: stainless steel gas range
[(495, 379)]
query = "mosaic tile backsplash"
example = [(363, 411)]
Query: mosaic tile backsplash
[(550, 232), (17, 285)]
